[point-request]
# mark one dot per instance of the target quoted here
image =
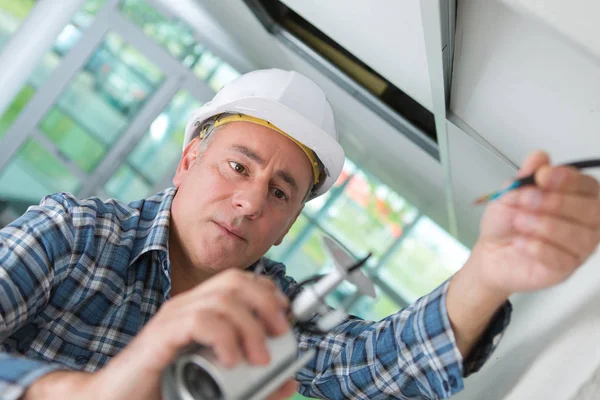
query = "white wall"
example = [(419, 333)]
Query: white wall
[(522, 86)]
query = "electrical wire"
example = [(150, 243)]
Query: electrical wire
[(530, 180)]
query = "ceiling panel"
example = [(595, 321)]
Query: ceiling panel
[(577, 20), (387, 35), (522, 86)]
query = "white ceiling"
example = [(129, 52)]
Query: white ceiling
[(524, 87), (576, 20), (387, 35)]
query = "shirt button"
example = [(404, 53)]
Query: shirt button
[(452, 380), (79, 360)]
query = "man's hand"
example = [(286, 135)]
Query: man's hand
[(536, 237), (233, 313), (531, 238)]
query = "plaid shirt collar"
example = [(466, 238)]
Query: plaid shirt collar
[(156, 236)]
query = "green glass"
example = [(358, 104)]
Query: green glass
[(71, 140), (111, 89), (160, 148), (277, 252), (368, 216), (15, 108), (33, 173), (426, 258), (207, 64), (171, 33), (126, 185), (222, 76), (374, 309)]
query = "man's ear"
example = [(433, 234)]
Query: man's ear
[(278, 242), (188, 158)]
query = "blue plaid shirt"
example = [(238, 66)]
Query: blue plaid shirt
[(80, 278)]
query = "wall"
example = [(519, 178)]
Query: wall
[(520, 86)]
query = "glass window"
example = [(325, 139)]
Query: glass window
[(374, 309), (206, 66), (110, 90), (69, 36), (309, 257), (277, 252), (368, 216), (33, 173), (160, 148), (15, 108), (171, 33), (71, 140), (426, 258), (315, 205), (12, 13), (127, 185), (222, 76), (179, 39)]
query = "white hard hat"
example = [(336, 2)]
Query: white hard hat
[(289, 101)]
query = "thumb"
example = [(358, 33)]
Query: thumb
[(533, 162)]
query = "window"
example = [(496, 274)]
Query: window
[(11, 13), (426, 258), (179, 40), (34, 173), (159, 149)]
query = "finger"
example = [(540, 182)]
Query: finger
[(575, 239), (262, 297), (285, 391), (249, 331), (213, 330), (567, 179), (533, 162), (577, 209), (554, 264)]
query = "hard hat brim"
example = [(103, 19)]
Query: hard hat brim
[(300, 128)]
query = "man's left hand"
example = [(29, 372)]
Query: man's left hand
[(537, 236), (531, 238)]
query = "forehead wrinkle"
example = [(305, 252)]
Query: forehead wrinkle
[(248, 153)]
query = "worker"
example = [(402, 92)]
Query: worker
[(97, 297)]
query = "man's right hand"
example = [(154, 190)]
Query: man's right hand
[(233, 313)]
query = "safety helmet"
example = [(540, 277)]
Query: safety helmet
[(290, 102)]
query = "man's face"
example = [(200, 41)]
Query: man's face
[(238, 197)]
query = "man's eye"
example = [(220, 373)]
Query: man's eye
[(237, 167), (280, 194)]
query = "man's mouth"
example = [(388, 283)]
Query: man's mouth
[(231, 231)]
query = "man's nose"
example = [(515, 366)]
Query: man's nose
[(250, 200)]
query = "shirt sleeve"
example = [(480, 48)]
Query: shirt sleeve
[(35, 251), (411, 354)]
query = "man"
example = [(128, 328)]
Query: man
[(115, 290)]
